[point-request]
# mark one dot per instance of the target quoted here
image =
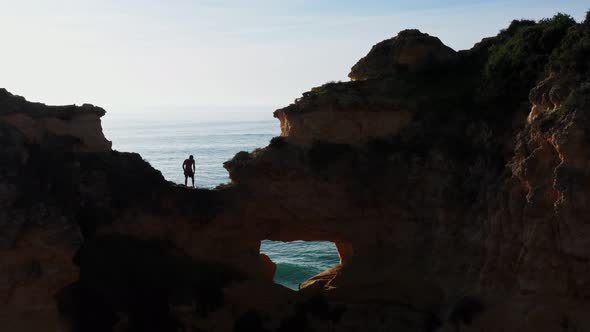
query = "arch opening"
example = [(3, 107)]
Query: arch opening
[(298, 261)]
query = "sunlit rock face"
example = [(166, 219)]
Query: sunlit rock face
[(380, 103), (341, 127), (452, 205)]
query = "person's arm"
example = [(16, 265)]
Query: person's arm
[(183, 165), (194, 165)]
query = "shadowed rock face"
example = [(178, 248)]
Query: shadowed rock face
[(39, 123), (453, 184), (409, 51)]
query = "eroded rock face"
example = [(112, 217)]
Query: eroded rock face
[(464, 216), (38, 123), (62, 190), (355, 127), (356, 112), (450, 210)]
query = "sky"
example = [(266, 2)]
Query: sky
[(139, 55)]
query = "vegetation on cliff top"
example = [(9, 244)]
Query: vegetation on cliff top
[(496, 73), (573, 54), (520, 54)]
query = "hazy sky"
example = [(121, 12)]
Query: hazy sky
[(133, 54)]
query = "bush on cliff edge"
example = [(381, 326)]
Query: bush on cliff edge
[(518, 58)]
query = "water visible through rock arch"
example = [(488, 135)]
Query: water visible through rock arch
[(165, 140), (298, 261)]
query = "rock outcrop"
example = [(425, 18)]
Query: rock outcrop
[(39, 123), (453, 184), (409, 51)]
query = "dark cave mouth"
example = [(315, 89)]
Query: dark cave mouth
[(298, 261)]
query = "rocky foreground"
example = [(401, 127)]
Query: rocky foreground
[(454, 184)]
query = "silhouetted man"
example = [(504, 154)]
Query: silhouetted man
[(189, 169)]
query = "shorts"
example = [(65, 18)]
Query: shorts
[(189, 174)]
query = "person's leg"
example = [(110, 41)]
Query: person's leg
[(185, 179), (193, 178)]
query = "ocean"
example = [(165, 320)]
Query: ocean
[(165, 141)]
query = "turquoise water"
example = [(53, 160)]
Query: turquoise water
[(298, 261), (167, 140)]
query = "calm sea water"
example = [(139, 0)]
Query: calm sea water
[(167, 140)]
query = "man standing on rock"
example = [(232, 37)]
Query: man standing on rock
[(189, 169)]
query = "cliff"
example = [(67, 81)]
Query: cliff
[(39, 123), (453, 184)]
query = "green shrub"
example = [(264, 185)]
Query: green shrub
[(573, 54), (516, 25), (568, 105), (518, 58)]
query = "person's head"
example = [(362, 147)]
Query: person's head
[(190, 157)]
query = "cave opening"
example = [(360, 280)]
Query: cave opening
[(298, 261)]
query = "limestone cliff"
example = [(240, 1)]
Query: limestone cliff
[(453, 183), (39, 123), (409, 51)]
